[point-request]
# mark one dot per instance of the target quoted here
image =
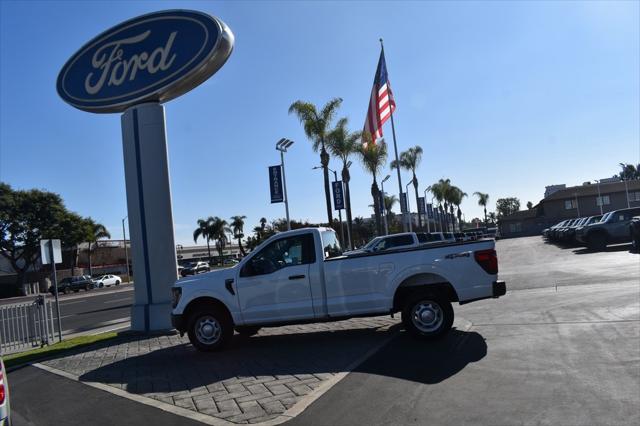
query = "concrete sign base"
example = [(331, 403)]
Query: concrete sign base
[(150, 216)]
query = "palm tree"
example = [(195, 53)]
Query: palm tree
[(457, 197), (442, 192), (410, 160), (204, 230), (342, 144), (483, 199), (219, 229), (97, 232), (237, 225), (629, 171), (493, 217), (374, 157), (316, 127)]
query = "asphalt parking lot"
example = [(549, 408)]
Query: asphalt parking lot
[(562, 347)]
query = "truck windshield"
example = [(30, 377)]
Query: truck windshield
[(330, 244)]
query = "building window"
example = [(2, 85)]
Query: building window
[(634, 196), (570, 204), (515, 227), (603, 201)]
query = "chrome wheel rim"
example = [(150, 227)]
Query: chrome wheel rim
[(208, 330), (427, 316)]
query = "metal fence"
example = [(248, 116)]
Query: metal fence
[(26, 325)]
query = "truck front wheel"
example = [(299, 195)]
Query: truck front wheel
[(210, 329), (427, 316)]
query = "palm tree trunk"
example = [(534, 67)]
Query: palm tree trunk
[(240, 246), (485, 216), (90, 269), (324, 160), (208, 250), (347, 196), (415, 187), (376, 205)]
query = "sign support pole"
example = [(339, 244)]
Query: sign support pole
[(284, 185), (151, 234), (55, 286)]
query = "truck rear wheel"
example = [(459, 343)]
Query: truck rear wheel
[(427, 316), (210, 329)]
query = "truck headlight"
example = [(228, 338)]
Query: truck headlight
[(176, 292)]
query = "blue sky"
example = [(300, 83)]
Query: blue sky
[(504, 98)]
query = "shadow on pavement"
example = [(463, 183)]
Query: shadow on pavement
[(610, 249), (426, 362), (181, 368)]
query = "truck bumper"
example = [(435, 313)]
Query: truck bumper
[(178, 322), (499, 289)]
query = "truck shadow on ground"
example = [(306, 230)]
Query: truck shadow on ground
[(179, 367)]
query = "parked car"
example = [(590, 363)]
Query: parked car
[(107, 281), (69, 284), (302, 276), (230, 262), (195, 268), (441, 236), (5, 402), (634, 232), (612, 228), (387, 242)]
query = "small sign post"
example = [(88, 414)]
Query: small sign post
[(50, 253)]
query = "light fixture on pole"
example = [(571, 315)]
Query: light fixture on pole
[(386, 224), (126, 252), (406, 196), (426, 213), (283, 145), (335, 179)]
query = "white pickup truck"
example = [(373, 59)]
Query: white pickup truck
[(302, 276)]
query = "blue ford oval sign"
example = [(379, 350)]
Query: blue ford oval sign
[(155, 57)]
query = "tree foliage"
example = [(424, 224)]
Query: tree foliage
[(507, 206)]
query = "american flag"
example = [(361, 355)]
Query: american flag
[(381, 104)]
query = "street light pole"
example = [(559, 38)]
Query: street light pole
[(335, 179), (126, 252), (626, 188), (599, 197), (406, 197), (282, 146), (386, 223), (426, 213)]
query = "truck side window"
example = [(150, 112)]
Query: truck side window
[(296, 250)]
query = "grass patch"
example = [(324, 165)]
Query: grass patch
[(56, 349)]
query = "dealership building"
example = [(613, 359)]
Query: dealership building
[(561, 202)]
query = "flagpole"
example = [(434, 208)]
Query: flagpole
[(395, 149)]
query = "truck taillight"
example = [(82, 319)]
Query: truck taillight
[(488, 260), (3, 393)]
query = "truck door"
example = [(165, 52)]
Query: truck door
[(274, 284)]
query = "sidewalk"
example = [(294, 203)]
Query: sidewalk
[(254, 381)]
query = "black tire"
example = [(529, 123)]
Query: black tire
[(66, 290), (597, 241), (427, 328), (248, 331), (117, 282), (212, 317)]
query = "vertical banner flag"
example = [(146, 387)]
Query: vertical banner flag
[(275, 184), (430, 211), (403, 202), (338, 197), (381, 102), (421, 205)]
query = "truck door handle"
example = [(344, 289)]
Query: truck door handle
[(296, 277)]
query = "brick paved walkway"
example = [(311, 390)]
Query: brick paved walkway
[(255, 380)]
